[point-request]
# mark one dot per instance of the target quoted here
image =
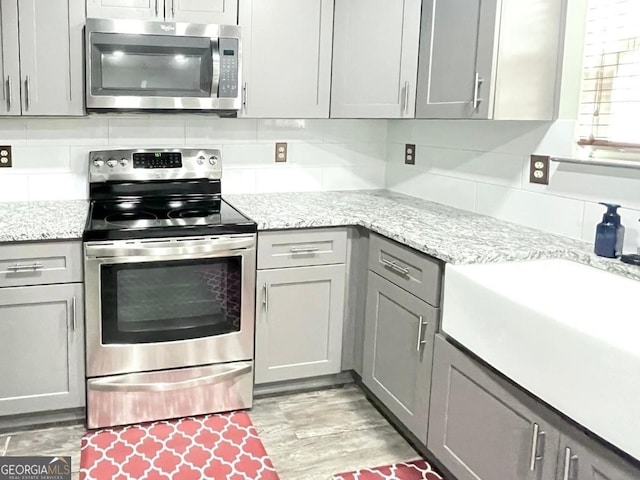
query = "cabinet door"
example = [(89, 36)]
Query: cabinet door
[(9, 58), (299, 322), (456, 58), (41, 339), (481, 431), (580, 458), (398, 352), (221, 12), (51, 63), (126, 9), (286, 57), (375, 58)]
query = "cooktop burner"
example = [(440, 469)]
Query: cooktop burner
[(124, 217)]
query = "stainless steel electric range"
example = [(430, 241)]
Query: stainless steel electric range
[(169, 288)]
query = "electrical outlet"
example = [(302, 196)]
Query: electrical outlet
[(539, 169), (281, 152), (5, 156), (410, 154)]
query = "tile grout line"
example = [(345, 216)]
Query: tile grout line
[(6, 446)]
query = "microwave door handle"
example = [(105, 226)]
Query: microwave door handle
[(215, 59)]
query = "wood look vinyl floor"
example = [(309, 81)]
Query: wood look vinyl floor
[(309, 436)]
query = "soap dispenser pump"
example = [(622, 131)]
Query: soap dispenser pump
[(609, 233)]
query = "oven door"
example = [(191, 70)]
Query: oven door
[(134, 65), (159, 304)]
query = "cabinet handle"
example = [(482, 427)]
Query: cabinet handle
[(157, 8), (73, 313), (265, 297), (406, 98), (245, 94), (303, 250), (25, 268), (27, 91), (570, 462), (476, 91), (395, 267), (537, 439), (421, 341), (173, 8), (9, 92)]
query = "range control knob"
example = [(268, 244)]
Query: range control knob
[(124, 162), (201, 159), (213, 160), (98, 162), (112, 162)]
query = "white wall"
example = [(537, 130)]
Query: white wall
[(50, 158), (483, 166)]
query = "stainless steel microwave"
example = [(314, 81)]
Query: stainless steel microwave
[(158, 66)]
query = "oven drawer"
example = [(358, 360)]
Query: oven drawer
[(418, 274), (148, 396), (40, 263), (297, 248)]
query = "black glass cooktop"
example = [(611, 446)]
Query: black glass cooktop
[(175, 216)]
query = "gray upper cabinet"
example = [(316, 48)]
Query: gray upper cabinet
[(286, 58), (222, 12), (299, 321), (126, 9), (581, 458), (479, 430), (487, 59), (398, 352), (41, 348), (9, 58), (46, 37), (375, 58)]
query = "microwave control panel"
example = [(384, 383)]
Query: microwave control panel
[(228, 86)]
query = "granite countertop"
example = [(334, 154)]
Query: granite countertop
[(449, 234), (50, 220)]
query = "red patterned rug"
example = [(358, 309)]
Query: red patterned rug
[(217, 447), (416, 470)]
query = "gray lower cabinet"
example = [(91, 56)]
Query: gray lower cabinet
[(398, 352), (41, 348), (299, 317), (479, 430), (581, 458)]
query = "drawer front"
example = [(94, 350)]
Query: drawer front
[(416, 273), (40, 263), (298, 248)]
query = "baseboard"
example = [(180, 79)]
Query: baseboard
[(33, 421), (303, 385)]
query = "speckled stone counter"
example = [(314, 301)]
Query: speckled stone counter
[(450, 234), (51, 220)]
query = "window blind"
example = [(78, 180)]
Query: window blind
[(610, 101)]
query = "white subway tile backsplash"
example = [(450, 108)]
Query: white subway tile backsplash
[(238, 180), (354, 131), (58, 186), (335, 154), (52, 158), (13, 131), (248, 155), (207, 130), (14, 188), (89, 131), (346, 178), (147, 131), (546, 212), (283, 178), (287, 130)]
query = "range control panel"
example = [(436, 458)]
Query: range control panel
[(151, 164), (228, 86)]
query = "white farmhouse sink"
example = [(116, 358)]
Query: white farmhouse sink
[(566, 332)]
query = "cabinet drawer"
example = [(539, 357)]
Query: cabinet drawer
[(40, 263), (418, 274), (299, 248)]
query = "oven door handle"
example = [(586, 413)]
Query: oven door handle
[(170, 248), (118, 384)]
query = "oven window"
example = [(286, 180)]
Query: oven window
[(168, 301), (151, 65)]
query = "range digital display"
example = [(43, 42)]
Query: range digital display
[(157, 160)]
